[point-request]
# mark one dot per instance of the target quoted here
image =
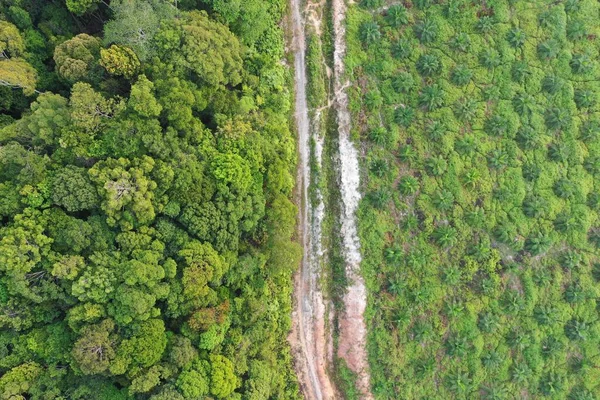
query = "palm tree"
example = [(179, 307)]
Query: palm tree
[(485, 24), (404, 116), (574, 293), (593, 200), (571, 259), (538, 243), (475, 217), (516, 37), (407, 153), (590, 131), (443, 200), (436, 130), (581, 393), (436, 165), (431, 97), (465, 146), (393, 255), (521, 372), (520, 71), (592, 165), (594, 236), (576, 30), (565, 188), (444, 236), (461, 42), (552, 84), (524, 104), (551, 346), (577, 329), (549, 49), (369, 32), (426, 30), (488, 322), (535, 206), (490, 58), (465, 109), (585, 98), (397, 16), (545, 314), (429, 64), (497, 125), (459, 382), (492, 360), (408, 185), (531, 171), (370, 4), (461, 75), (498, 159), (402, 49), (560, 151), (527, 137), (557, 118), (379, 136), (379, 168), (581, 64), (404, 82), (379, 198), (452, 275)]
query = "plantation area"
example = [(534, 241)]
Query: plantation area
[(480, 127), (146, 217)]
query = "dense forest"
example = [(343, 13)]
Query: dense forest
[(480, 125), (146, 175)]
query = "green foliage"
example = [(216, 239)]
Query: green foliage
[(481, 248), (77, 59), (145, 201)]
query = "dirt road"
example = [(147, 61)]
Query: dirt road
[(310, 339), (352, 329), (311, 336)]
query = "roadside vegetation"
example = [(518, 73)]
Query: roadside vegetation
[(146, 174), (479, 226)]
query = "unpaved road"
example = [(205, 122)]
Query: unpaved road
[(352, 329), (310, 338)]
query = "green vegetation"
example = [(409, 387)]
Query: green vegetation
[(146, 174), (479, 225)]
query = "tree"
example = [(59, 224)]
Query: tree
[(94, 350), (11, 41), (429, 65), (549, 49), (81, 7), (222, 378), (19, 380), (516, 37), (211, 50), (77, 58), (17, 73), (135, 23), (538, 243), (445, 236), (142, 99), (126, 190), (461, 75), (369, 33), (426, 31), (397, 15), (120, 60), (485, 24), (408, 185), (73, 189), (432, 97)]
